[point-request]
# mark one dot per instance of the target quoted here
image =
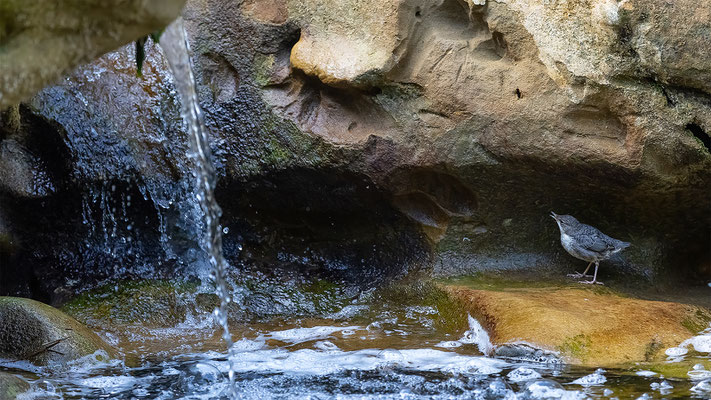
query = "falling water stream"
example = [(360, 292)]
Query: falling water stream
[(176, 49)]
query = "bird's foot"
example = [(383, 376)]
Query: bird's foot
[(592, 282), (579, 275)]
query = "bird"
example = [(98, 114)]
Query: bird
[(586, 243)]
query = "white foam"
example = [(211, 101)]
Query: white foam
[(702, 387), (315, 362), (449, 344), (110, 382), (663, 387), (545, 389), (701, 343), (594, 379), (645, 373), (301, 335), (478, 335), (522, 374), (676, 351)]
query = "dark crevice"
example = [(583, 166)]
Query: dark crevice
[(670, 101), (332, 224), (700, 134)]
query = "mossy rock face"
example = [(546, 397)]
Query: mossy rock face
[(11, 386), (585, 326), (43, 335), (148, 302)]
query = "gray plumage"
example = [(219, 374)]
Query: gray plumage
[(586, 242)]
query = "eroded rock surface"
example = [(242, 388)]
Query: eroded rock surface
[(43, 335), (586, 327), (451, 128)]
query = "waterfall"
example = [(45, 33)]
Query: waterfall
[(175, 47)]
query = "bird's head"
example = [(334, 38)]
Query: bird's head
[(564, 221)]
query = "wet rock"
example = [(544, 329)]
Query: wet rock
[(11, 386), (43, 335), (40, 42), (481, 118), (583, 326), (442, 133)]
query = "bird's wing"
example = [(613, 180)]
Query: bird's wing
[(596, 241)]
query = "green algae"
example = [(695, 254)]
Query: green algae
[(450, 316), (698, 322), (263, 67), (148, 302), (577, 347)]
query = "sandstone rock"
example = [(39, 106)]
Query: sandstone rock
[(585, 327), (11, 386), (39, 42), (43, 335), (453, 127)]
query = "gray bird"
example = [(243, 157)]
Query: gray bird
[(586, 243)]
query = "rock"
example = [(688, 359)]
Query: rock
[(479, 118), (43, 335), (391, 136), (586, 327), (40, 42), (11, 386)]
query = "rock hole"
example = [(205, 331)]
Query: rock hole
[(418, 13), (374, 91), (518, 93), (700, 134)]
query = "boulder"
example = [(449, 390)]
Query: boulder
[(43, 335), (40, 42), (582, 326), (11, 386)]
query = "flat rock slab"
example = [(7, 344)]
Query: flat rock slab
[(592, 327), (43, 335)]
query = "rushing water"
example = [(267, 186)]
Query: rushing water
[(359, 350), (175, 47)]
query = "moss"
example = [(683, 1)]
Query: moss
[(129, 302), (263, 66), (698, 322), (451, 316), (284, 145), (277, 154), (679, 370), (577, 346)]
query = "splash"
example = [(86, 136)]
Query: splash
[(175, 47)]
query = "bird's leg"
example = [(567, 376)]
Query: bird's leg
[(584, 274), (597, 264)]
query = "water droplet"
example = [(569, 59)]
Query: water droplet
[(113, 188), (225, 230)]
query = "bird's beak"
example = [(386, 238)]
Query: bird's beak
[(554, 215)]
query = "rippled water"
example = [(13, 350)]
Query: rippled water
[(385, 354)]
